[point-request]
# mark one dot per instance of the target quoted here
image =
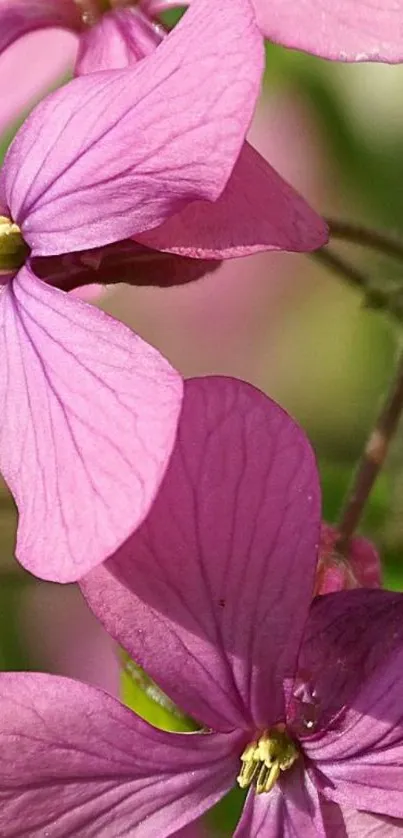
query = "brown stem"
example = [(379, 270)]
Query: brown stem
[(372, 459), (356, 234)]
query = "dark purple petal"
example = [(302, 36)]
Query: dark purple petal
[(115, 153), (75, 763), (18, 17), (290, 810), (88, 419), (352, 655), (126, 261), (210, 596), (348, 636), (119, 39)]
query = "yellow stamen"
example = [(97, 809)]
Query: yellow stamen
[(264, 759), (13, 250)]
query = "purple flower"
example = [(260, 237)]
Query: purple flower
[(89, 411), (212, 595)]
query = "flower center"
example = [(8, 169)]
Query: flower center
[(13, 250), (264, 759), (92, 10)]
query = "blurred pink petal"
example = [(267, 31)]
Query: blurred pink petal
[(18, 17), (80, 380), (24, 74), (346, 30), (61, 635)]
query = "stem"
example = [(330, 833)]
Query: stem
[(355, 233), (375, 298), (372, 459)]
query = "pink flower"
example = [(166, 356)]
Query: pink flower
[(212, 595), (335, 572), (115, 33), (153, 152)]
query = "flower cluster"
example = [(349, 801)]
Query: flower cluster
[(189, 512)]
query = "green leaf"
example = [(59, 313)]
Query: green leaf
[(143, 696)]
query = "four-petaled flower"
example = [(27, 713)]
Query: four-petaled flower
[(212, 595), (88, 410)]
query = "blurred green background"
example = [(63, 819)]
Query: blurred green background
[(279, 321)]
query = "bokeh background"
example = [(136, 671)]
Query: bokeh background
[(281, 322)]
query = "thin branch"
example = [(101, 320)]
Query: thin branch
[(372, 459), (375, 298), (356, 234)]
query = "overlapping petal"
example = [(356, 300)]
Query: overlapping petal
[(342, 822), (128, 149), (119, 39), (88, 420), (347, 637), (18, 17), (75, 762), (349, 30), (352, 655), (218, 580), (257, 211)]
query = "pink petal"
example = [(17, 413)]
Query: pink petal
[(126, 261), (119, 39), (257, 211), (354, 654), (31, 76), (291, 810), (18, 17), (129, 148), (219, 578), (348, 30), (87, 427), (75, 762)]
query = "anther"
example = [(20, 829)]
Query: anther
[(265, 758)]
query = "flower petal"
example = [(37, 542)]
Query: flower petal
[(126, 261), (88, 424), (353, 653), (349, 823), (76, 762), (119, 39), (127, 149), (349, 30), (291, 809), (258, 210), (18, 17), (211, 594)]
